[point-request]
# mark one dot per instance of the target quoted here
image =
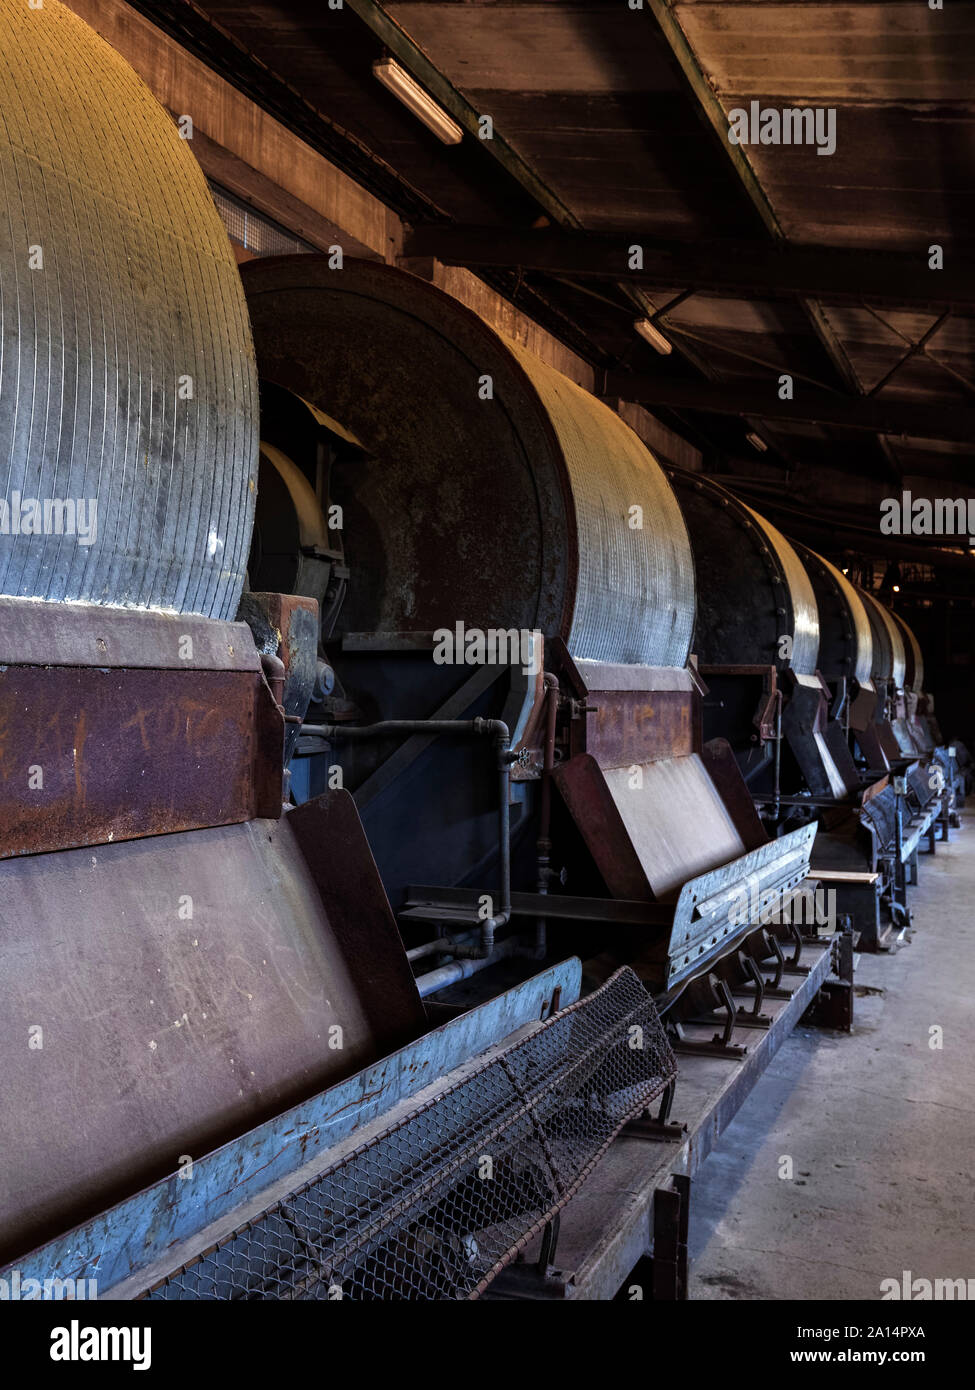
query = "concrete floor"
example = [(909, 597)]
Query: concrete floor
[(880, 1128)]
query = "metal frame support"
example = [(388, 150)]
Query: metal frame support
[(671, 1219), (658, 1127), (833, 1005), (533, 1279)]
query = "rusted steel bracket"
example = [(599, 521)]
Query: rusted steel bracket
[(286, 626), (659, 1128), (535, 1279)]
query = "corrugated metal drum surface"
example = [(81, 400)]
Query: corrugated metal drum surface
[(845, 641), (634, 597), (805, 615), (752, 589), (497, 493), (889, 661), (119, 296), (914, 660)]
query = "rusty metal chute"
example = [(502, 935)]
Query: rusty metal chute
[(651, 788), (194, 992)]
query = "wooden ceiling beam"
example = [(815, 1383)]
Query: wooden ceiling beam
[(949, 422), (724, 268)]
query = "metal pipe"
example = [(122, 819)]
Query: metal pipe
[(275, 674), (462, 969), (395, 726), (502, 739), (442, 946), (551, 687), (494, 728), (900, 870), (776, 805)]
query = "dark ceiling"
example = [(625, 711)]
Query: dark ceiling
[(612, 120)]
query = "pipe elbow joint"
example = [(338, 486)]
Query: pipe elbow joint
[(499, 731)]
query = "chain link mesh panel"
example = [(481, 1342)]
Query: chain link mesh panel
[(436, 1205)]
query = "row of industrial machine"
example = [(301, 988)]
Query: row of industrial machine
[(403, 772)]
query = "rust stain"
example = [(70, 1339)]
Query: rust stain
[(80, 734), (4, 733), (52, 726), (139, 720), (206, 746)]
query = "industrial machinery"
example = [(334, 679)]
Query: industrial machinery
[(610, 717), (806, 679), (845, 663), (366, 865), (919, 731), (907, 794), (757, 643), (170, 964), (889, 671), (184, 968)]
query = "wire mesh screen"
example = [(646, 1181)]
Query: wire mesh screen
[(436, 1205), (254, 231)]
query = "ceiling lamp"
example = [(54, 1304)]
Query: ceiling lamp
[(892, 578), (652, 335), (398, 81)]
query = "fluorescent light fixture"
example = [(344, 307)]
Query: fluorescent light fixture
[(757, 442), (651, 334), (398, 81)]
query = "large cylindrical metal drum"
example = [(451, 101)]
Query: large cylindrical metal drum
[(845, 643), (889, 663), (496, 492), (128, 403), (913, 657), (752, 590)]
